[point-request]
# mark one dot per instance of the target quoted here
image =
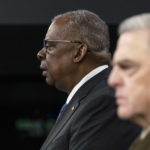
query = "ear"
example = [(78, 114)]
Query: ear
[(80, 53)]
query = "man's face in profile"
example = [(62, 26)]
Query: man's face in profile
[(57, 57), (131, 75)]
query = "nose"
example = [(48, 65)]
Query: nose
[(115, 78), (41, 54)]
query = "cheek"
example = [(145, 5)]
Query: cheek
[(139, 87), (58, 65), (138, 91)]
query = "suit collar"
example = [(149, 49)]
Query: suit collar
[(89, 85), (87, 77)]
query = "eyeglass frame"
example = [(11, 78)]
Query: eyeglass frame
[(65, 41)]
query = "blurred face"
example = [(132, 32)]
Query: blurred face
[(131, 76), (56, 61)]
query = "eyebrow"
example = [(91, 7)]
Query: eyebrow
[(122, 62)]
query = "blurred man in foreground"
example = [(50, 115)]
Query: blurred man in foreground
[(75, 60), (131, 75)]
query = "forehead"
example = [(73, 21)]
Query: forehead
[(133, 46), (55, 31)]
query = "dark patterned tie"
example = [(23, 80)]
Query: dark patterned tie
[(61, 111)]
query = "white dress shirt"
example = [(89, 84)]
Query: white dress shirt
[(85, 79)]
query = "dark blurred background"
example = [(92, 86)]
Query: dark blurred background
[(29, 107)]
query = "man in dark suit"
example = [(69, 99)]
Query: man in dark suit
[(75, 60)]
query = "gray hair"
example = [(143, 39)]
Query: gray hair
[(140, 21), (87, 26)]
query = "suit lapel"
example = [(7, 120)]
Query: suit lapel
[(66, 115), (68, 112)]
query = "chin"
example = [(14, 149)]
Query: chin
[(49, 82), (123, 113)]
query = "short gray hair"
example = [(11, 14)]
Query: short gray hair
[(140, 21), (88, 26)]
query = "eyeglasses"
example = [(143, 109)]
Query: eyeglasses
[(46, 46)]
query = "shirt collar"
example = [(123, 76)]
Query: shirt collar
[(144, 133), (85, 79)]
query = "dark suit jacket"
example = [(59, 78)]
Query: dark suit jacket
[(89, 121)]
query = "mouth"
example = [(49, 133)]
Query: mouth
[(120, 99), (44, 72)]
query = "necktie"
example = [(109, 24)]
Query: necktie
[(61, 110)]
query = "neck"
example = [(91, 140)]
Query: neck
[(76, 77), (143, 121)]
